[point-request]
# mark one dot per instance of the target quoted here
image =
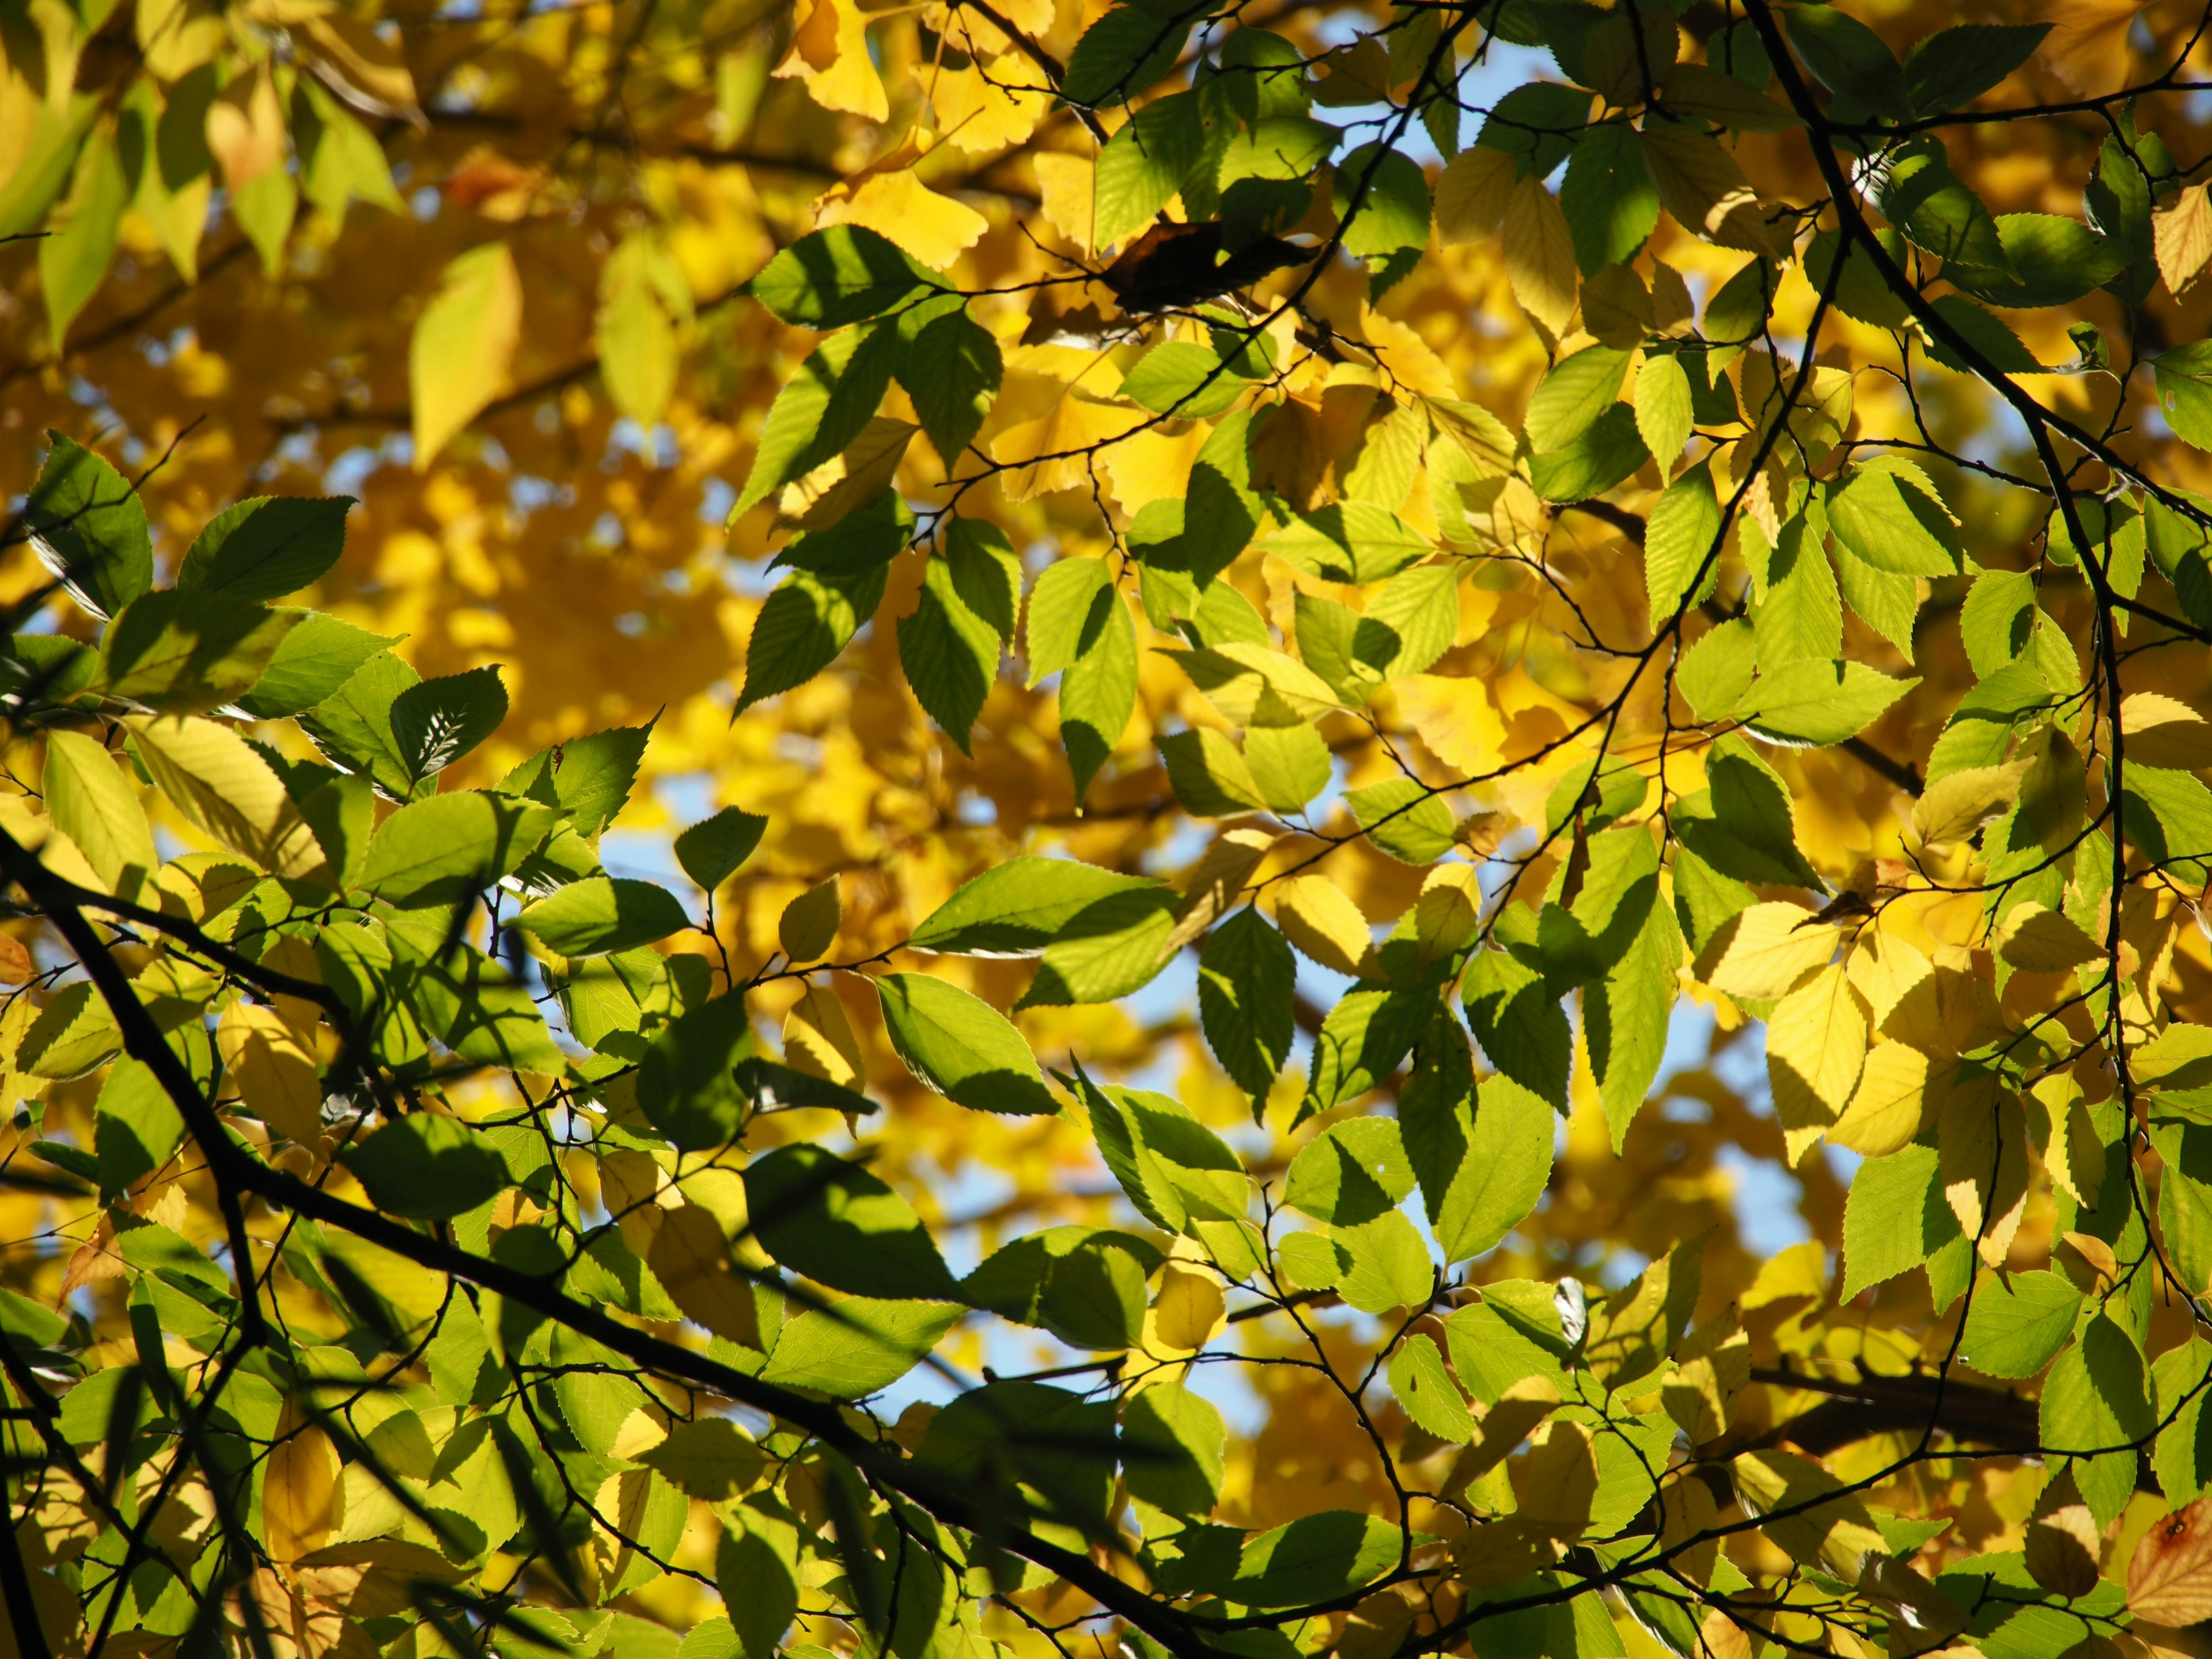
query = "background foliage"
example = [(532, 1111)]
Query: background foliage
[(1285, 830)]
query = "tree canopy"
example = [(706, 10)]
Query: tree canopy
[(1013, 829)]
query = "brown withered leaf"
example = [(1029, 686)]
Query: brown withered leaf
[(2170, 1579)]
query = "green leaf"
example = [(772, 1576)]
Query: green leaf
[(852, 1348), (1861, 292), (1067, 615), (599, 913), (186, 652), (1122, 54), (1483, 1157), (1996, 619), (1816, 703), (2096, 1405), (2185, 391), (2014, 1326), (1683, 530), (1020, 907), (1518, 1021), (1949, 69), (352, 727), (1849, 57), (1387, 226), (89, 802), (965, 614), (1181, 378), (804, 624), (136, 1127), (1714, 674), (313, 660), (1895, 1217), (952, 368), (1894, 526), (1406, 820), (960, 1047), (471, 1004), (1426, 1391), (1098, 693), (1209, 774), (1369, 1031), (1314, 1559), (1085, 1284), (1350, 1173), (1986, 334), (821, 409), (1924, 198), (80, 245), (589, 778), (1750, 832), (841, 1226), (442, 850), (1173, 1449), (1571, 398), (1105, 951), (2048, 261), (1606, 195), (1175, 1171), (1246, 992), (436, 722), (1353, 542), (1540, 123), (1625, 1015), (267, 547), (1608, 452), (712, 850), (88, 528), (427, 1168), (2182, 1458), (1289, 765), (1144, 165), (844, 274), (687, 1082)]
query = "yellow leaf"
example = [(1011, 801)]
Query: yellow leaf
[(818, 1040), (691, 1260), (1885, 1112), (830, 53), (1835, 1534), (1455, 719), (1472, 193), (1255, 685), (1405, 356), (93, 805), (888, 199), (1316, 916), (1959, 803), (2059, 1120), (1523, 1406), (1187, 1313), (1057, 451), (245, 127), (363, 58), (989, 105), (1617, 307), (1816, 1041), (1218, 882), (1760, 953), (2043, 941), (1540, 256), (1698, 181), (1448, 909), (1559, 1480), (211, 775), (1065, 183), (2162, 731), (809, 925), (2087, 45), (1153, 465), (464, 343), (300, 1491), (845, 483), (2182, 235), (275, 1074)]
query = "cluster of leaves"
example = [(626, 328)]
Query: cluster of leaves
[(469, 1261)]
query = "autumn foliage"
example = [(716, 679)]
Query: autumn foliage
[(970, 829)]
